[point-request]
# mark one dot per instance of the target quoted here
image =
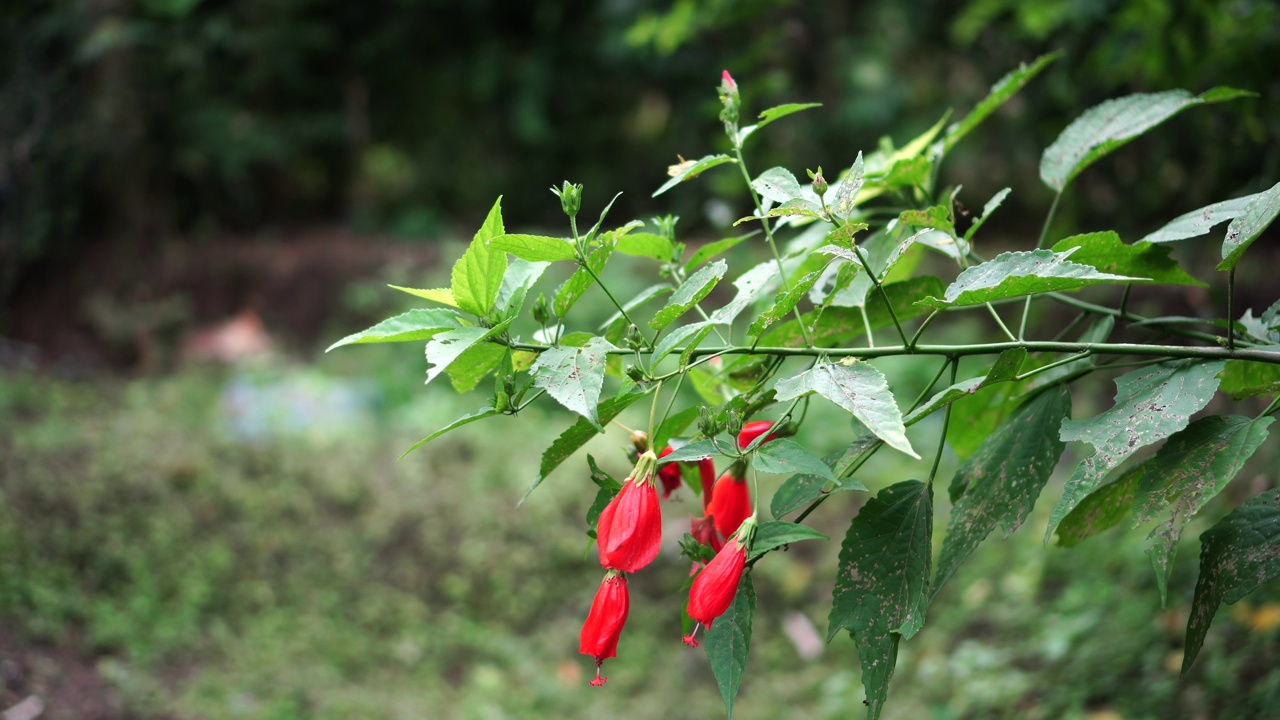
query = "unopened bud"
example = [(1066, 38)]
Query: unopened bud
[(640, 440), (819, 182), (634, 339), (666, 226), (570, 198), (734, 426), (541, 310), (707, 424), (635, 373)]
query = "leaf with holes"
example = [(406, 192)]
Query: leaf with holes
[(1244, 229), (861, 390), (1005, 369), (690, 292), (1017, 274), (845, 193), (574, 375), (1108, 253), (1103, 509), (783, 303), (448, 346)]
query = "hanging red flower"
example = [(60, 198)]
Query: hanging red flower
[(730, 503), (715, 587), (629, 531), (599, 637), (753, 430)]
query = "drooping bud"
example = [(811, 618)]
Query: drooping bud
[(629, 530), (714, 588), (753, 430), (639, 440), (600, 633), (570, 198)]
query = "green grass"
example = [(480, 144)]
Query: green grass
[(306, 573)]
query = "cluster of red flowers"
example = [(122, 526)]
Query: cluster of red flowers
[(629, 534)]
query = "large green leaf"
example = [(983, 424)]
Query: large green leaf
[(860, 389), (1108, 253), (1152, 403), (1245, 228), (729, 640), (787, 457), (574, 376), (466, 372), (448, 346), (422, 324), (1015, 274), (686, 336), (647, 245), (783, 303), (1102, 510), (1247, 378), (568, 294), (1190, 469), (1236, 556), (690, 292), (1004, 89), (774, 534), (799, 490), (1200, 222), (1107, 126), (778, 185), (1004, 369), (477, 275), (837, 326), (750, 285), (1003, 479), (691, 169), (482, 413), (882, 581), (538, 248), (577, 435)]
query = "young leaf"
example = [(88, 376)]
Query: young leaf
[(1108, 253), (422, 324), (987, 209), (774, 534), (473, 365), (1003, 479), (882, 581), (845, 194), (860, 389), (690, 169), (786, 457), (728, 641), (647, 245), (697, 331), (480, 414), (1004, 89), (1200, 222), (478, 273), (444, 296), (1005, 369), (574, 376), (690, 292), (1152, 403), (1188, 471), (1236, 556), (1015, 274), (580, 281), (1103, 509), (783, 303), (536, 248), (694, 451), (1107, 126), (1246, 228), (780, 111), (712, 249), (446, 347)]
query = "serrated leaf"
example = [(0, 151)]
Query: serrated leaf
[(444, 296), (574, 376), (1107, 126), (1004, 89), (778, 112), (1200, 222), (783, 303), (796, 207), (786, 457), (1236, 556), (844, 195), (840, 326), (1102, 510), (693, 452), (446, 347), (421, 324), (712, 249), (1245, 228), (691, 334), (473, 365), (1188, 471), (861, 390), (1108, 253), (1152, 403), (690, 169), (647, 245), (568, 294), (751, 285), (477, 275), (1003, 479), (536, 248), (882, 581), (480, 414), (577, 435), (1004, 369), (690, 292), (1016, 274), (516, 281), (775, 533), (778, 185), (728, 641)]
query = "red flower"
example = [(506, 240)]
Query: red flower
[(714, 588), (599, 637), (669, 474), (727, 79), (753, 430), (707, 471), (730, 503), (629, 530), (703, 529)]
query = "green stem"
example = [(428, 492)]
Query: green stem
[(1056, 363), (586, 265), (1005, 328), (866, 324), (920, 330), (946, 424), (1275, 405), (1044, 233), (667, 413), (1130, 317), (1231, 298), (883, 295)]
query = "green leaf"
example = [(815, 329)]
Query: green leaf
[(907, 172), (780, 111), (1006, 368), (1003, 479), (647, 245), (537, 248), (1200, 222), (728, 641), (422, 324), (675, 424), (1004, 89), (712, 249), (775, 533), (608, 488), (987, 209), (1107, 126), (1016, 274), (1102, 510), (786, 457), (478, 273), (693, 452), (574, 376), (844, 195), (1244, 229), (579, 433), (673, 340), (783, 303), (1108, 253), (690, 169), (1152, 403), (580, 281), (480, 414), (1236, 556), (473, 365), (446, 347), (882, 581), (798, 491), (444, 296), (779, 185), (839, 326), (750, 285), (791, 208), (1188, 471), (690, 292), (1247, 378), (860, 389)]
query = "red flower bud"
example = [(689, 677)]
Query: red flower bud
[(714, 588), (730, 503), (727, 79), (629, 530), (599, 637), (669, 474), (753, 430)]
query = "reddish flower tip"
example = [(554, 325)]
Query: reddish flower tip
[(599, 680), (753, 430), (728, 80)]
